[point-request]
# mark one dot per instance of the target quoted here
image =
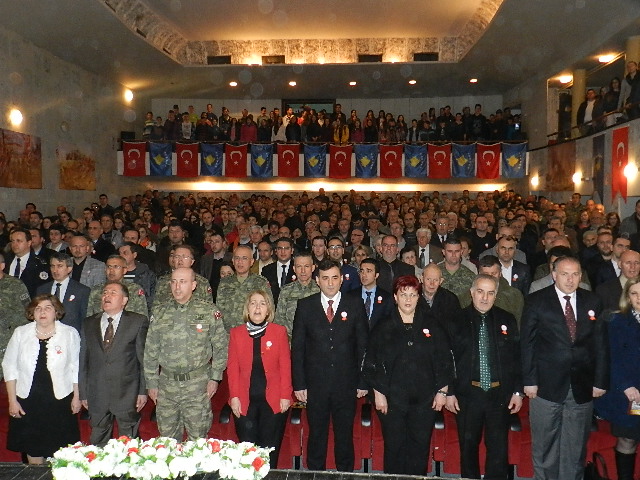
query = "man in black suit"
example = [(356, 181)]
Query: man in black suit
[(517, 274), (280, 272), (442, 232), (611, 270), (565, 364), (22, 263), (111, 379), (602, 259), (37, 245), (611, 291), (488, 384), (327, 347), (73, 295), (441, 303), (390, 267), (378, 303), (101, 248), (426, 253)]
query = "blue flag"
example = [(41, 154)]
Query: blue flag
[(463, 160), (366, 160), (415, 161), (212, 156), (160, 159), (262, 160), (514, 160), (315, 161)]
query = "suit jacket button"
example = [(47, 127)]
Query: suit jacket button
[(410, 343)]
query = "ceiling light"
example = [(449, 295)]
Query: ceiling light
[(473, 80), (565, 78), (353, 84), (606, 58), (233, 84), (412, 82), (128, 95), (15, 117), (292, 83)]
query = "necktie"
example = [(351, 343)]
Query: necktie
[(16, 271), (367, 304), (330, 311), (442, 239), (570, 318), (283, 277), (108, 335), (255, 253), (483, 350), (57, 292), (422, 258)]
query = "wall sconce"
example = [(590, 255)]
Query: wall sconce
[(535, 181), (577, 177), (631, 171), (128, 95), (15, 117)]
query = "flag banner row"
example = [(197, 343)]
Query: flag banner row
[(292, 160)]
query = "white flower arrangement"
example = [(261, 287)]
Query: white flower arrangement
[(161, 458)]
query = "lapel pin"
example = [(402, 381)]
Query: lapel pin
[(504, 329), (426, 332), (344, 316)]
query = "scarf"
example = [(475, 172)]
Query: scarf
[(256, 330)]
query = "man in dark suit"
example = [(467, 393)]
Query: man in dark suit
[(611, 270), (111, 379), (101, 248), (516, 273), (441, 303), (604, 246), (73, 295), (327, 347), (488, 384), (611, 291), (350, 277), (37, 245), (22, 263), (390, 267), (442, 232), (426, 253), (378, 303), (280, 272), (565, 364)]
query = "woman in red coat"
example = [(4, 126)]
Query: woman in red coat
[(259, 373)]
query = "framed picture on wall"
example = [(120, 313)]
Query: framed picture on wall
[(299, 105)]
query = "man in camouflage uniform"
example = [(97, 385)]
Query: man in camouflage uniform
[(116, 268), (14, 297), (185, 354), (457, 277), (181, 256), (233, 290), (302, 286)]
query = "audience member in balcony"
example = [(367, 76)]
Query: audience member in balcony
[(402, 128), (476, 125), (338, 114), (426, 133), (259, 374), (224, 122), (278, 132), (370, 131), (157, 133), (292, 131), (624, 330), (172, 129), (340, 131), (589, 113), (210, 114), (248, 130), (148, 126), (457, 129), (314, 130), (408, 365), (610, 101), (413, 132), (186, 127), (628, 84), (352, 118), (264, 131)]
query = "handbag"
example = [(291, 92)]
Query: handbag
[(596, 469)]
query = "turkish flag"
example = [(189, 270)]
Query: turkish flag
[(288, 160), (235, 158), (135, 154), (619, 160), (340, 161), (439, 161), (187, 155), (488, 160), (390, 161)]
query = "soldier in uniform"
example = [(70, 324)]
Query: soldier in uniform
[(14, 297), (185, 354), (233, 290), (116, 268), (457, 277), (302, 286), (181, 256)]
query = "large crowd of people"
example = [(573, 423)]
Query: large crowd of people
[(420, 301)]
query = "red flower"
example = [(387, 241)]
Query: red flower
[(91, 456), (133, 450), (215, 446), (124, 438), (257, 463)]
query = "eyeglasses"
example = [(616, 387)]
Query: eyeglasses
[(335, 247), (183, 257), (115, 267), (283, 248)]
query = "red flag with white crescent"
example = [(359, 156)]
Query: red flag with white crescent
[(340, 161), (135, 154), (488, 160), (187, 159), (235, 158), (439, 161), (288, 160), (619, 160), (391, 161)]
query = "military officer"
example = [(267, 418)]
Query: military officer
[(14, 297), (185, 354), (457, 277)]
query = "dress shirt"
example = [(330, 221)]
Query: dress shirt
[(23, 263), (507, 272), (63, 288), (104, 323), (616, 267), (563, 302), (280, 265), (372, 296), (336, 301)]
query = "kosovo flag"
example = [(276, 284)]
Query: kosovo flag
[(211, 158), (262, 160), (514, 160), (464, 160), (160, 159), (366, 159), (415, 161), (315, 161)]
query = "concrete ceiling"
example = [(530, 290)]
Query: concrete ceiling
[(525, 39)]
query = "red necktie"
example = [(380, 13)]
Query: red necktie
[(330, 311), (570, 317)]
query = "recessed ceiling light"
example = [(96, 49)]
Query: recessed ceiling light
[(606, 58), (233, 84), (473, 80), (565, 78), (353, 84), (412, 82), (292, 83)]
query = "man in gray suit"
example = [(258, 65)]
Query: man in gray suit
[(86, 270), (111, 379)]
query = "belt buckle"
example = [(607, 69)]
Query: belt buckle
[(181, 377)]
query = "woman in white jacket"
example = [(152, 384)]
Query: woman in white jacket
[(41, 372)]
